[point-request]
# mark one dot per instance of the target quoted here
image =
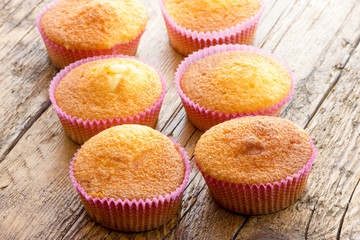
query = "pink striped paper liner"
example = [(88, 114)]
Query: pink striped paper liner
[(186, 41), (131, 215), (80, 130), (61, 56), (260, 199), (203, 118)]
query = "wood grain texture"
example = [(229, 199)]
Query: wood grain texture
[(36, 177), (317, 38), (25, 71), (337, 172)]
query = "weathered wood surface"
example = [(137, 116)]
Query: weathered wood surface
[(318, 39)]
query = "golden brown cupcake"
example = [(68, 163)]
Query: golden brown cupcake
[(91, 27), (232, 83), (96, 94), (211, 15), (108, 88), (267, 156), (129, 162), (195, 24), (130, 177)]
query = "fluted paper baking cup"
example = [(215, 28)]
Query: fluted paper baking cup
[(260, 199), (61, 56), (80, 130), (203, 118), (131, 215), (186, 41)]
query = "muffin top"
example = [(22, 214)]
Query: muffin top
[(211, 15), (236, 81), (253, 150), (108, 88), (94, 24), (129, 162)]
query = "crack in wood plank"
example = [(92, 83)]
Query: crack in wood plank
[(172, 117), (191, 135), (275, 24), (338, 235), (318, 16), (68, 229), (29, 31), (338, 76), (179, 220), (25, 129), (294, 19), (4, 6), (309, 221), (240, 227)]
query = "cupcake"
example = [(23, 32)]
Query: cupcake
[(130, 177), (255, 165), (77, 29), (96, 93), (195, 24), (229, 81)]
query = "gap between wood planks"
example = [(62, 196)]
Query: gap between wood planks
[(295, 18), (338, 234), (25, 129)]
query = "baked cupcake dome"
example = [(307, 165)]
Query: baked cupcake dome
[(255, 165), (193, 25), (229, 81), (211, 15), (76, 29), (130, 177), (96, 93)]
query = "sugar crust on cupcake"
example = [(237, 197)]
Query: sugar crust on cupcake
[(253, 150), (94, 24), (236, 81), (129, 162), (108, 88)]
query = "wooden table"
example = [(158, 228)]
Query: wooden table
[(318, 39)]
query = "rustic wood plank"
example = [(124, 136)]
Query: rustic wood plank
[(337, 125), (278, 12), (16, 21), (336, 172), (207, 220), (34, 184), (25, 71)]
